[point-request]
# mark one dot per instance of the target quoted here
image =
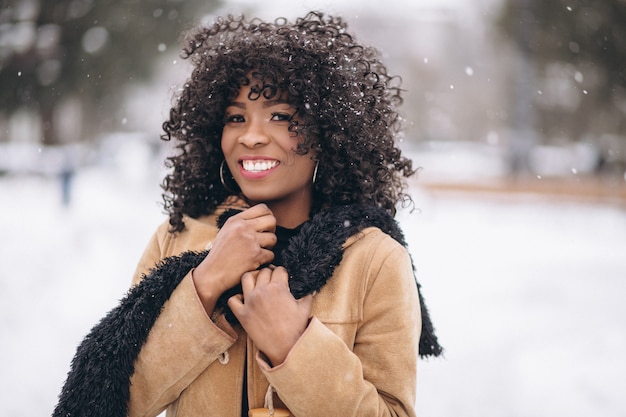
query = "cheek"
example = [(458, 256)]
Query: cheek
[(300, 162), (305, 165), (226, 143)]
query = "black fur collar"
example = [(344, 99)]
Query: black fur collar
[(99, 379)]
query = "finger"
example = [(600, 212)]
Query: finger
[(256, 211), (305, 302), (261, 218), (236, 298), (265, 223), (280, 274), (264, 276), (266, 256), (248, 281), (235, 303), (305, 305), (267, 239)]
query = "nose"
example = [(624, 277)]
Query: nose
[(254, 135)]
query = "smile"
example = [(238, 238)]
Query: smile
[(258, 165)]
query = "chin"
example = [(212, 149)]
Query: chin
[(256, 197)]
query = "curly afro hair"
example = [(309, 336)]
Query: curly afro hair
[(344, 97)]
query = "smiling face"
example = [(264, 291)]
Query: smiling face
[(260, 152)]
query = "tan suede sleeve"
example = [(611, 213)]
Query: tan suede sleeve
[(182, 343), (322, 376), (152, 254)]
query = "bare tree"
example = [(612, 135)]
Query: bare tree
[(88, 51)]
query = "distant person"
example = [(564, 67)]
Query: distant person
[(281, 282), (67, 177), (67, 173)]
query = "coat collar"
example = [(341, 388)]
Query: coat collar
[(99, 379), (313, 254)]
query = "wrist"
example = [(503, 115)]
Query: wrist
[(207, 293)]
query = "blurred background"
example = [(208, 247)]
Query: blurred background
[(516, 117)]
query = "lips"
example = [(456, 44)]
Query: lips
[(258, 165)]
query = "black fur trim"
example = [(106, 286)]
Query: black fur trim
[(316, 251), (98, 383)]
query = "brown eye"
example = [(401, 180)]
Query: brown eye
[(281, 117), (234, 118)]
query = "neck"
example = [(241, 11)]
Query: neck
[(292, 212), (289, 216)]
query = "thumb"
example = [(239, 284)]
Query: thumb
[(305, 303), (235, 303)]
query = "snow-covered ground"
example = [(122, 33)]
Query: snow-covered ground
[(527, 294), (528, 299)]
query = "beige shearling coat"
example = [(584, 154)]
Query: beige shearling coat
[(357, 357)]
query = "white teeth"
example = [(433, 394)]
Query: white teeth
[(258, 166)]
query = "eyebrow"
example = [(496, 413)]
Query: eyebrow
[(266, 104)]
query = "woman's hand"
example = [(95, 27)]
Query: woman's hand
[(269, 313), (243, 244)]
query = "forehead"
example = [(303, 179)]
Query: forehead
[(268, 95)]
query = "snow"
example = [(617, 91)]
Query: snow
[(527, 297), (526, 292)]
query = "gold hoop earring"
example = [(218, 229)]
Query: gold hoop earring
[(315, 171), (224, 182)]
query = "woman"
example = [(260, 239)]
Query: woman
[(281, 280)]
